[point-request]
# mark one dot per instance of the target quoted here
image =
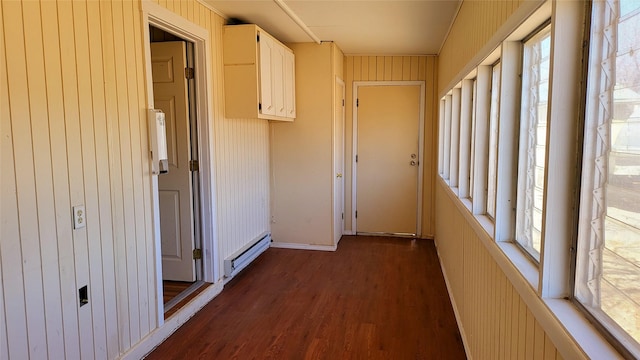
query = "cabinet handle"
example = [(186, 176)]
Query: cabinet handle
[(281, 109), (269, 107)]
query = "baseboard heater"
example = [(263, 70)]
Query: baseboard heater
[(243, 257)]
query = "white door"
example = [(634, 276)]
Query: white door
[(338, 162), (176, 210), (388, 123)]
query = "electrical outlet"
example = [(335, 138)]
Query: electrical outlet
[(83, 296), (79, 217)]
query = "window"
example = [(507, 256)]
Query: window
[(493, 141), (608, 256), (533, 139)]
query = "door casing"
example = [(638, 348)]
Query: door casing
[(354, 171), (338, 160), (159, 17)]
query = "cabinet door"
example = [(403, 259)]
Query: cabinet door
[(277, 66), (266, 76), (289, 85)]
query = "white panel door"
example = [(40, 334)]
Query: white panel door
[(387, 168), (175, 194), (338, 162)]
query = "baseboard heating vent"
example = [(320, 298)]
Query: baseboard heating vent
[(243, 257)]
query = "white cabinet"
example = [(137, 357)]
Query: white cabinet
[(259, 75), (289, 85)]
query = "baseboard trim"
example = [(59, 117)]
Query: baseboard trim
[(160, 334), (283, 245), (455, 308)]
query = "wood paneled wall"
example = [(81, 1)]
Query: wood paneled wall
[(394, 68), (73, 131), (475, 25), (495, 321)]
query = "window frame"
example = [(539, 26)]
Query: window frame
[(494, 126), (525, 146)]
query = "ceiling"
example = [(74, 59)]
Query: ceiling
[(379, 27)]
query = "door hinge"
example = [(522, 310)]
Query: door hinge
[(260, 106), (342, 102), (356, 214), (342, 216), (357, 102), (197, 254), (356, 158), (258, 38), (188, 73), (194, 165)]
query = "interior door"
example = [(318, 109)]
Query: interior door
[(388, 122), (175, 193), (338, 162)]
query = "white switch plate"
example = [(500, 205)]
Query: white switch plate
[(79, 217)]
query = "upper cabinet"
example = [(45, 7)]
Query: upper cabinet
[(259, 75)]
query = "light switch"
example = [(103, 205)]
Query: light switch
[(79, 217)]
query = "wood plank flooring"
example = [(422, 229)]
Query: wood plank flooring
[(171, 289), (176, 289), (374, 298)]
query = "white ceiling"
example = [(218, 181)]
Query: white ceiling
[(380, 27)]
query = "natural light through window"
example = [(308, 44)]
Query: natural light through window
[(608, 259), (533, 139)]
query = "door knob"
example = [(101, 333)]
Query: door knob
[(413, 156), (412, 163)]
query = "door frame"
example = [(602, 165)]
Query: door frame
[(157, 16), (342, 122), (354, 170)]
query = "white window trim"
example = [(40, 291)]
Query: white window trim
[(481, 145), (441, 138), (494, 124), (508, 141), (466, 108), (564, 103), (454, 154), (447, 137)]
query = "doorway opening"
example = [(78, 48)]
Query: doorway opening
[(174, 92)]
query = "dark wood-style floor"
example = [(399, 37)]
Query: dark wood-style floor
[(171, 289), (374, 298), (174, 289)]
